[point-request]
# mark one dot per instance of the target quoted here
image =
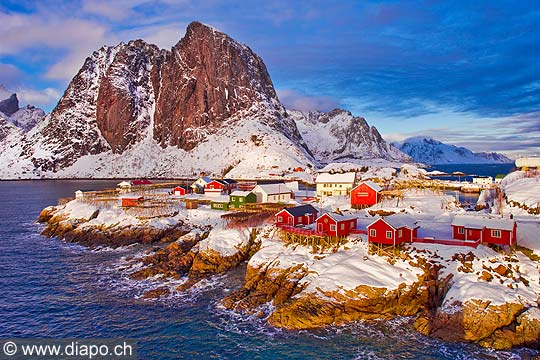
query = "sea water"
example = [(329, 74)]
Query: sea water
[(49, 288)]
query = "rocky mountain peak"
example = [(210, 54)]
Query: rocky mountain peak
[(9, 103), (207, 78)]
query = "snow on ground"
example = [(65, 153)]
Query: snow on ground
[(522, 189), (468, 285), (227, 242)]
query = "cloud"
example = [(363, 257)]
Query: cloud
[(10, 75), (43, 97), (293, 100), (114, 10)]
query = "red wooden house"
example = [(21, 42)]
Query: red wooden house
[(334, 224), (181, 190), (365, 194), (484, 229), (220, 187), (141, 182), (298, 215), (392, 230), (131, 201)]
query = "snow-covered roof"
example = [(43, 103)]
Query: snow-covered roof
[(123, 183), (371, 184), (338, 217), (398, 221), (272, 189), (347, 177), (479, 222), (221, 199), (240, 193)]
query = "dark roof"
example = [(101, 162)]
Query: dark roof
[(229, 181), (185, 187), (301, 210)]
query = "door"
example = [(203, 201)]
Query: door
[(320, 227)]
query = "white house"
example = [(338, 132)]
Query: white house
[(272, 193), (199, 184), (334, 184), (124, 185)]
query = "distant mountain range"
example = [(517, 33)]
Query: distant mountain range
[(208, 104), (430, 151)]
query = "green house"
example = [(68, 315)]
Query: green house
[(220, 203), (239, 198)]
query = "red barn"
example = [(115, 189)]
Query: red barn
[(484, 229), (298, 215), (131, 201), (141, 182), (392, 230), (334, 224), (181, 190), (365, 194)]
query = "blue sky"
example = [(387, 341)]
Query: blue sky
[(464, 72)]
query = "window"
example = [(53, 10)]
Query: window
[(211, 186), (280, 219), (299, 219), (461, 230), (372, 232), (333, 227), (342, 226), (352, 225), (388, 234), (362, 194), (400, 233), (496, 233)]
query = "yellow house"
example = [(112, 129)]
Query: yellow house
[(334, 184)]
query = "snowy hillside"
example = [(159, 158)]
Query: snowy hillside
[(430, 151), (23, 118), (339, 136)]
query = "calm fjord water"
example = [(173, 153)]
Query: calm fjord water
[(52, 289)]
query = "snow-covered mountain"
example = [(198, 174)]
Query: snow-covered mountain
[(338, 136), (23, 118), (430, 151), (208, 104)]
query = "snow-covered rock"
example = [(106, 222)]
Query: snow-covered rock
[(339, 136)]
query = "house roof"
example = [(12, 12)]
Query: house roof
[(398, 221), (348, 177), (123, 183), (272, 189), (141, 182), (371, 184), (181, 186), (229, 181), (339, 218), (479, 222), (240, 193), (301, 210), (221, 199)]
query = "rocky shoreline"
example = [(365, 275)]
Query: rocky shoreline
[(307, 290)]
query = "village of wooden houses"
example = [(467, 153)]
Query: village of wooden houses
[(339, 206)]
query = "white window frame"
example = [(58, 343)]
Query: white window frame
[(400, 233), (496, 233), (389, 232), (280, 219), (373, 232), (461, 230), (333, 227)]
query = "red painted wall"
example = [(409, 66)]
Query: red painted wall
[(469, 234), (363, 195), (179, 191), (344, 230), (381, 227)]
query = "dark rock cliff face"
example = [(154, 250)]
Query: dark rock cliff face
[(206, 79), (122, 111), (10, 105)]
